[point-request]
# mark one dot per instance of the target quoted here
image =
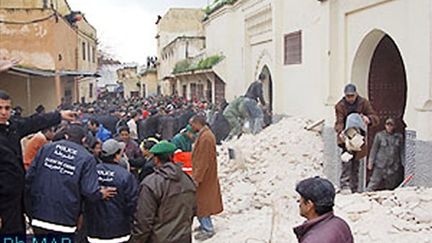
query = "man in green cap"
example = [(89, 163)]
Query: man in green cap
[(166, 203)]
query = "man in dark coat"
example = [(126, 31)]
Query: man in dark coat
[(167, 127), (12, 171), (166, 202), (316, 205), (352, 103), (152, 124), (219, 124), (185, 116)]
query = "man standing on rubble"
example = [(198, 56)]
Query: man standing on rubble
[(253, 94), (352, 103), (316, 204), (386, 158), (235, 113)]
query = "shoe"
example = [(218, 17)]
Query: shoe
[(204, 235)]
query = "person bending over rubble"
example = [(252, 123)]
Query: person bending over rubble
[(352, 103)]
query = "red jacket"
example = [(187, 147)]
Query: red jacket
[(186, 159), (327, 228)]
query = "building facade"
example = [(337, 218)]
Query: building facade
[(310, 49), (50, 70), (87, 60), (129, 78), (185, 67), (149, 82)]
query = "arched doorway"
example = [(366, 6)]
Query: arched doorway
[(387, 85), (378, 70), (268, 87)]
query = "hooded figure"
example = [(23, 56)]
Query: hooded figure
[(184, 139)]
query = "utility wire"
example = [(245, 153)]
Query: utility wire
[(27, 22)]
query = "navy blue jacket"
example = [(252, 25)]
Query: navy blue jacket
[(112, 219), (60, 177)]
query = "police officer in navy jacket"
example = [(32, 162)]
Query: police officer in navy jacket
[(61, 176), (110, 221)]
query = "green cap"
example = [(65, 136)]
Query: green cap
[(164, 147)]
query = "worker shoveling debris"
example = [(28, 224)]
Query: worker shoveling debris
[(261, 203)]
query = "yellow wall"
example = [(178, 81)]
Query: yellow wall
[(84, 89), (87, 34), (52, 43), (16, 86), (151, 82), (129, 78), (60, 5), (40, 93)]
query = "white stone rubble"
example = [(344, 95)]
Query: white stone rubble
[(261, 203)]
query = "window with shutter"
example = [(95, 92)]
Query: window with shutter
[(293, 48)]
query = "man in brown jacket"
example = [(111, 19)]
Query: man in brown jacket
[(349, 104), (166, 202), (316, 205), (204, 169)]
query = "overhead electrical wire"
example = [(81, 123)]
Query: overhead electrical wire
[(28, 22)]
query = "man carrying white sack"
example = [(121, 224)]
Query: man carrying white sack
[(351, 132)]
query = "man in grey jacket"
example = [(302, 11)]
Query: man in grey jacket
[(386, 158)]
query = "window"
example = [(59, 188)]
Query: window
[(293, 48), (134, 94), (144, 91), (173, 89), (94, 55), (209, 90), (193, 91), (184, 91), (68, 93), (84, 50), (200, 91), (91, 90), (88, 52)]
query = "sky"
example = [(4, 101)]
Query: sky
[(126, 28)]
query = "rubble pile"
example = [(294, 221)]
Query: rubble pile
[(261, 203), (403, 215)]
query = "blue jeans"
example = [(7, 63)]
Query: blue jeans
[(256, 115), (206, 224)]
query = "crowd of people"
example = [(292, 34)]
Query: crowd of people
[(140, 170), (110, 177)]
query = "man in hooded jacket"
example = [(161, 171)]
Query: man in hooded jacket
[(166, 202)]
